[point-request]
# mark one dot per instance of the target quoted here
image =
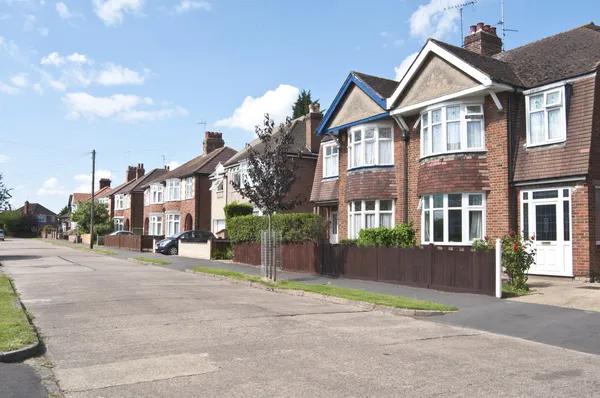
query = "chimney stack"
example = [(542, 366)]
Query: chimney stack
[(482, 39), (104, 182), (26, 208), (130, 173), (312, 121), (212, 141), (139, 171)]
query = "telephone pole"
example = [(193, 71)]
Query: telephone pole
[(92, 206)]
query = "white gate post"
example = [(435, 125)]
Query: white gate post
[(499, 268)]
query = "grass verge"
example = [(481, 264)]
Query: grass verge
[(153, 260), (509, 291), (85, 249), (335, 291), (15, 330)]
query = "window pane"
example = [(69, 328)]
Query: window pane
[(426, 202), (566, 221), (357, 136), (438, 201), (357, 205), (438, 225), (370, 205), (545, 194), (438, 144), (385, 152), (525, 195), (536, 103), (385, 132), (357, 225), (369, 134), (475, 200), (426, 142), (536, 128), (455, 200), (357, 155), (427, 228), (553, 98), (475, 225), (385, 205), (545, 222), (370, 152), (453, 136), (525, 219), (474, 135), (370, 221), (455, 225), (436, 116), (328, 151), (385, 220), (565, 193), (554, 124), (473, 109), (425, 119), (453, 113)]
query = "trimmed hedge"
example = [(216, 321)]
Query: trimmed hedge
[(235, 209), (402, 235), (295, 228)]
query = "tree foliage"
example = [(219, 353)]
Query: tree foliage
[(271, 170), (294, 227), (15, 221), (63, 211), (300, 107), (82, 215), (235, 209), (517, 257), (4, 194)]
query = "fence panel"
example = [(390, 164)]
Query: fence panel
[(129, 242), (458, 269), (247, 253), (148, 241)]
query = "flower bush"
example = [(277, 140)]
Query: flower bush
[(517, 257), (483, 245)]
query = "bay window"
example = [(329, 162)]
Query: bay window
[(453, 218), (370, 145), (330, 160), (172, 224), (369, 214), (155, 227), (452, 128), (546, 117), (189, 187), (156, 193), (173, 190)]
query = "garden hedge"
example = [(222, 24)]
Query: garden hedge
[(235, 209), (295, 228), (402, 235)]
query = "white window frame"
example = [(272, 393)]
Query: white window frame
[(156, 193), (563, 115), (155, 226), (352, 232), (463, 120), (333, 147), (465, 208), (120, 202), (41, 218), (217, 223), (119, 223), (189, 188), (172, 220), (173, 188), (146, 197), (103, 200), (352, 162)]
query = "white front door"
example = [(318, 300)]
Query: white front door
[(333, 233), (546, 214)]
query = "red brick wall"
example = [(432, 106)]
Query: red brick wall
[(342, 180), (137, 210), (462, 173), (595, 181), (202, 216), (303, 186), (373, 183)]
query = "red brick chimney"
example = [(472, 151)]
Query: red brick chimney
[(26, 208), (482, 39), (211, 142), (313, 119), (104, 182), (130, 173), (139, 171)]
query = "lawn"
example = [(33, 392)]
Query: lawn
[(153, 260), (15, 330), (329, 290)]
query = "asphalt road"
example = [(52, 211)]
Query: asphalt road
[(19, 380), (119, 329)]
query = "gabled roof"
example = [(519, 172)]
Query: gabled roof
[(377, 88), (36, 208), (138, 184), (299, 145), (81, 197), (203, 164)]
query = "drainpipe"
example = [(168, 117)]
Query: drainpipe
[(512, 191)]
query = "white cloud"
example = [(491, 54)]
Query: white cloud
[(85, 180), (384, 34), (434, 20), (6, 89), (63, 10), (277, 103), (188, 5), (4, 158), (51, 187), (112, 11), (58, 85), (44, 31), (126, 108), (29, 22), (20, 80), (117, 74), (77, 58), (53, 59), (11, 49), (173, 165), (38, 88), (57, 60), (404, 65)]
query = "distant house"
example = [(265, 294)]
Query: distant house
[(77, 197), (42, 215)]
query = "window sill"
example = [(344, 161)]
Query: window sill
[(464, 244), (471, 151), (332, 178), (548, 143), (383, 166)]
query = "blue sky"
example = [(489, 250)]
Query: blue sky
[(132, 78)]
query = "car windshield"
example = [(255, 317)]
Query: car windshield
[(177, 235)]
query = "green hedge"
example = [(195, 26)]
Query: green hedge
[(235, 209), (295, 228), (402, 235)]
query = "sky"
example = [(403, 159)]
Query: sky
[(140, 81)]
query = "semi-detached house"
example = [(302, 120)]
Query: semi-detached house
[(474, 142)]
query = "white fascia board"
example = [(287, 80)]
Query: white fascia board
[(469, 91)]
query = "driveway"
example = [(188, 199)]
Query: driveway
[(561, 292), (119, 329)]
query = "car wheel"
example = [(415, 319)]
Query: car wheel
[(173, 251)]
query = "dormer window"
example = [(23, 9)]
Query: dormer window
[(370, 145), (452, 128), (546, 117)]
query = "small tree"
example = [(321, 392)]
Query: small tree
[(82, 216), (517, 258), (300, 107), (4, 195), (63, 211), (15, 221), (271, 174)]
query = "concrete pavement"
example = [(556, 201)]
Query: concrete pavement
[(119, 329)]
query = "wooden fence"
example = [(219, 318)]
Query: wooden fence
[(456, 269), (128, 242)]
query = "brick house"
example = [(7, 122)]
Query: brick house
[(484, 141), (306, 143), (42, 215), (180, 199), (78, 197)]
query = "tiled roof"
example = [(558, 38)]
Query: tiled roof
[(81, 197), (36, 208), (381, 86), (201, 164), (138, 184)]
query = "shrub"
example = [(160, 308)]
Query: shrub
[(402, 235), (295, 228), (517, 257), (483, 245), (224, 254), (47, 229), (347, 242), (235, 209)]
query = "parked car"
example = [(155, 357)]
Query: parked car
[(121, 233), (2, 235), (170, 245)]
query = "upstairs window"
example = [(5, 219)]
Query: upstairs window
[(452, 128), (370, 145), (119, 202), (189, 187), (330, 160), (41, 218), (146, 197), (173, 190), (546, 117), (156, 193)]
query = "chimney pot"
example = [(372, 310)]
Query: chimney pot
[(486, 28), (212, 141), (311, 108), (473, 29), (26, 208), (493, 31), (483, 41), (479, 26)]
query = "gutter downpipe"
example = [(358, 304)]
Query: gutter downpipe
[(513, 192), (405, 165)]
